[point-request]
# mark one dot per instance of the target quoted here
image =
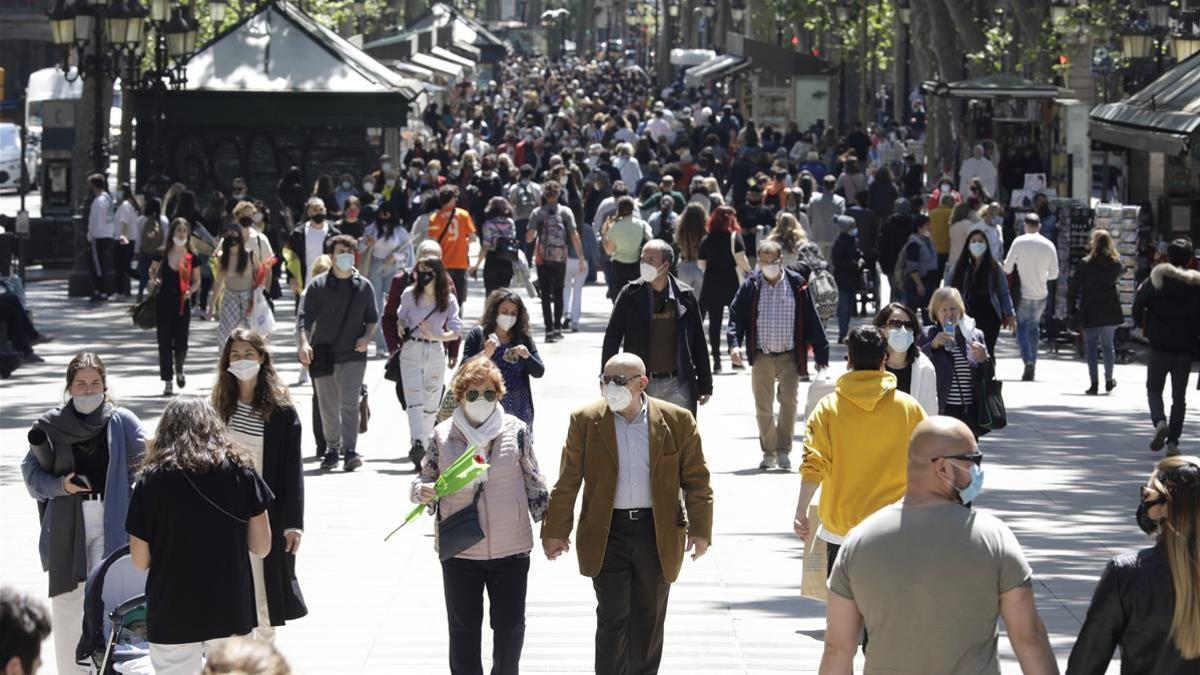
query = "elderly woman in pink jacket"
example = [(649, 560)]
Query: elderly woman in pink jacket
[(484, 530)]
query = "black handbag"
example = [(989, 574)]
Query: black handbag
[(144, 314), (461, 530), (993, 415)]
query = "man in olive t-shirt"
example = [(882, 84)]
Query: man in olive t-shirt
[(929, 576)]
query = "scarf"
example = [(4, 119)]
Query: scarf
[(65, 428), (483, 435), (185, 280)]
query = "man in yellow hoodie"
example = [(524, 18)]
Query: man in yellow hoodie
[(856, 443)]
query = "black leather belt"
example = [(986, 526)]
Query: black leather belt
[(773, 353), (417, 339), (662, 376), (91, 496), (632, 514)]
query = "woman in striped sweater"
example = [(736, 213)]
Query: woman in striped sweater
[(253, 401)]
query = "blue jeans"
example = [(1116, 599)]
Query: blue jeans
[(1029, 319), (1095, 339), (844, 307)]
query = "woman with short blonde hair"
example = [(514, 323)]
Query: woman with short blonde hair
[(790, 234), (960, 356)]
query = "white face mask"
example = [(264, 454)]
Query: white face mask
[(87, 403), (244, 369), (180, 241), (977, 248), (479, 410), (368, 187), (967, 326), (900, 339), (257, 217), (772, 270), (387, 166), (617, 396), (648, 272), (344, 261), (506, 321), (946, 189)]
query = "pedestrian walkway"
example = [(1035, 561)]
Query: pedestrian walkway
[(1064, 475)]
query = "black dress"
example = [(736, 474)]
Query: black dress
[(720, 270), (173, 317), (979, 304)]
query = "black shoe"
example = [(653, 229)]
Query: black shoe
[(716, 366), (1027, 376), (96, 297), (1093, 390), (31, 357), (352, 461), (1109, 385), (566, 324), (180, 380), (551, 336), (330, 461), (416, 454), (1160, 436)]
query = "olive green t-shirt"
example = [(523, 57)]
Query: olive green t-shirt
[(927, 581)]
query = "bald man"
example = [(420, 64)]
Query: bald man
[(928, 575), (633, 455)]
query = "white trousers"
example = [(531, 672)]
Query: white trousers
[(265, 631), (66, 609), (423, 365), (573, 291), (184, 659)]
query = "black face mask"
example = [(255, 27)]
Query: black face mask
[(424, 278), (317, 217), (1144, 521)]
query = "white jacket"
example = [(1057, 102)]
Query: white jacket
[(924, 384)]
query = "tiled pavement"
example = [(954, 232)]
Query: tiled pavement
[(1064, 476)]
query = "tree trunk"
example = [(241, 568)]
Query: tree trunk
[(899, 68), (724, 24), (687, 24), (943, 52), (961, 21), (492, 10), (1030, 17), (125, 152), (533, 12)]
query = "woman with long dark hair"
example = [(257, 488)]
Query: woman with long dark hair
[(689, 231), (323, 188), (503, 336), (254, 403), (1095, 306), (77, 468), (234, 286), (176, 273), (914, 371), (984, 288), (722, 257), (1148, 602), (197, 513), (427, 318)]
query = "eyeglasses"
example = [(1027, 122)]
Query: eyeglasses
[(619, 380), (975, 458), (895, 323), (488, 395)]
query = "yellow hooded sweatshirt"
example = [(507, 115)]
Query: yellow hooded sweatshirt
[(857, 447)]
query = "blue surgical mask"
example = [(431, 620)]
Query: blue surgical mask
[(971, 492), (978, 247), (344, 261), (853, 232)]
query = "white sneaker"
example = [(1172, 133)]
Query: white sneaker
[(769, 461), (784, 461)]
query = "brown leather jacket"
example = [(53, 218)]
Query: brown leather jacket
[(590, 458)]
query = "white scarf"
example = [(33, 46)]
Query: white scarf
[(482, 435)]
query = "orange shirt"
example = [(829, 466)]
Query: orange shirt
[(458, 229)]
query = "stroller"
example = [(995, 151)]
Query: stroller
[(114, 617)]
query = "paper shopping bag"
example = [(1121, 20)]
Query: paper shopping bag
[(812, 575)]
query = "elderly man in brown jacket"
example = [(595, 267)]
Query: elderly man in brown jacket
[(635, 456)]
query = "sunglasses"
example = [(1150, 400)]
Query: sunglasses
[(619, 380), (894, 323), (975, 458), (473, 395), (1152, 497)]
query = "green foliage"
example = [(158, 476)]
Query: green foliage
[(998, 42), (337, 15)]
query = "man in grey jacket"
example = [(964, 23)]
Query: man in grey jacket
[(337, 322), (823, 210)]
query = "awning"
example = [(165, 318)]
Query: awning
[(439, 66), (993, 86), (411, 70), (1162, 117), (722, 66), (447, 55)]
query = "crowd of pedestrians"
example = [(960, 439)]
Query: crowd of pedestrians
[(691, 213)]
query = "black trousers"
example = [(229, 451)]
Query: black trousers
[(631, 600), (1158, 368), (317, 428), (123, 262), (496, 274), (716, 326), (171, 329), (16, 322), (460, 285), (464, 582), (102, 265), (622, 273), (551, 277)]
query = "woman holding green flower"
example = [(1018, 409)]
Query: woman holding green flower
[(511, 488)]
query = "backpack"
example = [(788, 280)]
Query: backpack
[(552, 237), (526, 201), (822, 288)]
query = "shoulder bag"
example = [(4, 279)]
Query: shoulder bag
[(461, 530), (391, 369), (322, 354), (144, 313), (989, 397)]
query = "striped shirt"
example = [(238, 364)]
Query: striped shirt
[(246, 429), (776, 317), (960, 385)]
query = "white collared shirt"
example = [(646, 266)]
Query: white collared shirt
[(633, 460)]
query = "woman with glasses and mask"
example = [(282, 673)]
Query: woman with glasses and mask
[(959, 355), (198, 511), (514, 492), (254, 403), (78, 469), (503, 336), (233, 288), (1148, 602), (914, 371), (427, 318)]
